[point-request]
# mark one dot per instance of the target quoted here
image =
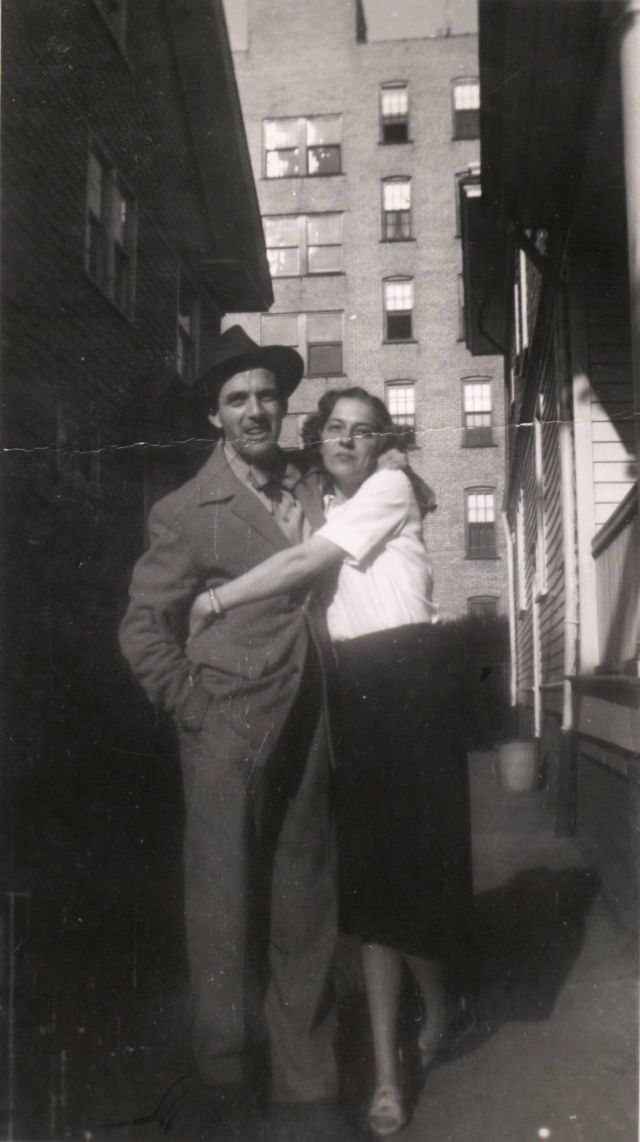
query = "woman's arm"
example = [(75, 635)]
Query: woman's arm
[(276, 575)]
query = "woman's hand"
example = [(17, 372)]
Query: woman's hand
[(393, 458), (201, 614)]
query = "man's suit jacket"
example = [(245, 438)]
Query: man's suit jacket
[(249, 663)]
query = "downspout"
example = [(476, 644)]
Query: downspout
[(511, 603), (630, 85), (569, 554)]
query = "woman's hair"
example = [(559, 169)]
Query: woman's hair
[(389, 435)]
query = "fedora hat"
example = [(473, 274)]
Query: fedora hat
[(235, 351)]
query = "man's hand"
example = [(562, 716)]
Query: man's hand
[(393, 459)]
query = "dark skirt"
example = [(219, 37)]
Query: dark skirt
[(402, 794)]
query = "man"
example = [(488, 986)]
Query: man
[(247, 696)]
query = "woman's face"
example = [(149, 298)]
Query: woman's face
[(350, 443)]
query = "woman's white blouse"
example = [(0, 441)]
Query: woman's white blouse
[(385, 578)]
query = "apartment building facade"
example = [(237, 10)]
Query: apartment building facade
[(359, 150)]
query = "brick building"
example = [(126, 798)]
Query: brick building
[(360, 149), (130, 226)]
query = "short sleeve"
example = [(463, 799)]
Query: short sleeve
[(376, 512)]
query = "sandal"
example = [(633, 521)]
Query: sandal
[(386, 1113)]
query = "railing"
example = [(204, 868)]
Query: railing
[(615, 551)]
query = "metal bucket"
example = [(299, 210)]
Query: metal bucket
[(518, 765)]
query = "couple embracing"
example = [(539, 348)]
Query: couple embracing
[(282, 613)]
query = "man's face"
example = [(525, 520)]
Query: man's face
[(250, 414)]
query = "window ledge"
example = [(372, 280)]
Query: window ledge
[(407, 341), (394, 241), (299, 177), (396, 142), (489, 444), (109, 300), (493, 558), (299, 277)]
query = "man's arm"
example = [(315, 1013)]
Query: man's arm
[(151, 634)]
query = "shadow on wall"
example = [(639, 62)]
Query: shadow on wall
[(474, 655)]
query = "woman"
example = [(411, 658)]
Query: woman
[(401, 789)]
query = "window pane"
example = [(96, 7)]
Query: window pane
[(282, 134), (395, 101), (398, 295), (324, 327), (397, 195), (324, 160), (483, 606), (324, 259), (399, 327), (467, 124), (281, 231), (284, 263), (482, 539), (325, 359), (95, 182), (324, 229), (480, 507), (477, 396), (401, 400), (324, 129), (279, 329), (283, 164), (397, 225), (466, 96), (395, 131)]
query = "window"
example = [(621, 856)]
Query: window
[(317, 337), (465, 181), (462, 316), (115, 16), (188, 329), (394, 113), (398, 309), (466, 108), (476, 413), (304, 244), (110, 233), (297, 147), (483, 606), (324, 344), (480, 518), (396, 209), (401, 402)]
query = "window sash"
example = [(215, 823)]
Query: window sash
[(110, 233), (396, 225), (324, 159), (399, 326), (325, 358), (401, 400), (394, 102), (398, 296)]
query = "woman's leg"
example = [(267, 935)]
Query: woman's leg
[(430, 977), (382, 969)]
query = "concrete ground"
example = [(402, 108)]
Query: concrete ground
[(553, 1052), (556, 1054)]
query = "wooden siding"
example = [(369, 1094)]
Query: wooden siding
[(553, 603), (609, 364), (528, 538)]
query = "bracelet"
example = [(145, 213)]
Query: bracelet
[(216, 605)]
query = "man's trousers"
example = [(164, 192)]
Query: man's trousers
[(260, 901)]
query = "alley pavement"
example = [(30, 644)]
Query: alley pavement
[(551, 1051)]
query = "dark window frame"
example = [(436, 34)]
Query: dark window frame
[(480, 535), (394, 128), (466, 120), (398, 316)]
